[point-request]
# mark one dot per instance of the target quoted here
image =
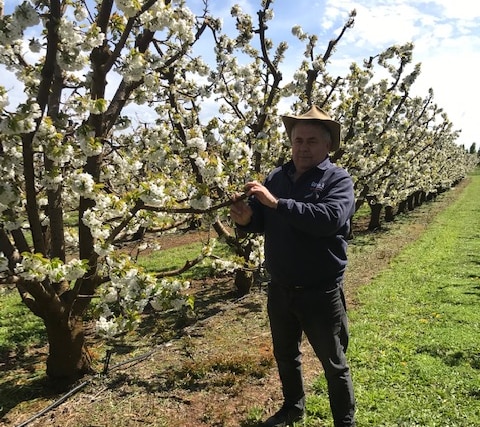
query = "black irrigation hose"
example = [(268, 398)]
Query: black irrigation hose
[(83, 384), (55, 404), (139, 358), (77, 388), (106, 369)]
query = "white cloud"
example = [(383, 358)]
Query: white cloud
[(15, 89), (459, 9), (446, 36)]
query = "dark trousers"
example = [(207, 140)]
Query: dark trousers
[(322, 317)]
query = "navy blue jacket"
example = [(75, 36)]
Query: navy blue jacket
[(306, 236)]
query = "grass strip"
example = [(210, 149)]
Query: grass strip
[(415, 348)]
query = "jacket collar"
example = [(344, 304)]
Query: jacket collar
[(289, 167)]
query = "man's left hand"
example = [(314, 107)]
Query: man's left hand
[(261, 193)]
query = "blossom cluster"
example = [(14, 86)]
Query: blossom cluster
[(35, 267), (128, 292)]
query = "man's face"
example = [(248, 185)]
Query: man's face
[(310, 145)]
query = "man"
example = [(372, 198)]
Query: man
[(304, 209)]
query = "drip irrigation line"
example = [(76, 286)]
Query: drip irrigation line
[(137, 359), (77, 388), (55, 404), (108, 369)]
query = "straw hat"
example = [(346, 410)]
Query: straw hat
[(315, 114)]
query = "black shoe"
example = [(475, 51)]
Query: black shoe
[(286, 416)]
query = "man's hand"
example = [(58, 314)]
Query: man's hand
[(262, 194), (240, 212)]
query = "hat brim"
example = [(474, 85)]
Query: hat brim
[(331, 125)]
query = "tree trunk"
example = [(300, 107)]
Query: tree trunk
[(375, 211), (243, 281), (358, 204), (389, 213), (402, 207), (422, 198), (68, 358), (417, 198), (411, 202)]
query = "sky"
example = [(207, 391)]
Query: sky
[(445, 33)]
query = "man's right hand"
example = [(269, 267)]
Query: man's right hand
[(240, 212)]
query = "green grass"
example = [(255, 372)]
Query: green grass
[(19, 328), (175, 258), (415, 348)]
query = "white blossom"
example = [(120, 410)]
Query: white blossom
[(3, 98), (75, 269), (107, 327), (197, 143), (203, 203), (83, 184)]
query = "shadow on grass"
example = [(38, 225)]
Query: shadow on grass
[(475, 291), (452, 357), (25, 384), (210, 299)]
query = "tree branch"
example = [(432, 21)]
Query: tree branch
[(194, 210)]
